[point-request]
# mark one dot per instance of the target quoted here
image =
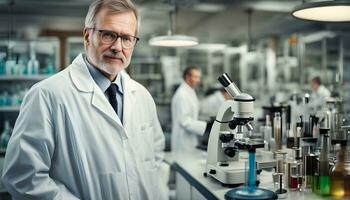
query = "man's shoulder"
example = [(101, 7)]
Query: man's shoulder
[(324, 91), (139, 87), (53, 83), (182, 89)]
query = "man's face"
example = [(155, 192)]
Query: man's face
[(194, 78), (110, 59), (314, 86)]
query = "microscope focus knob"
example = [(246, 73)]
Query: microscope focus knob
[(225, 138), (233, 124), (230, 151)]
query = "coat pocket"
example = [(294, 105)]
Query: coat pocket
[(151, 179), (113, 186), (146, 144)]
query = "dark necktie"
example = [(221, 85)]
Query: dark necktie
[(112, 95)]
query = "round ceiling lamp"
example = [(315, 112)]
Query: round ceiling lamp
[(324, 11), (173, 40)]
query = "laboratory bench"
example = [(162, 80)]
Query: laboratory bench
[(191, 184)]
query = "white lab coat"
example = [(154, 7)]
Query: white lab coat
[(185, 124), (210, 105), (68, 142), (318, 99), (323, 92)]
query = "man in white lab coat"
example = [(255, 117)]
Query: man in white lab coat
[(89, 132), (209, 106), (184, 111), (319, 94)]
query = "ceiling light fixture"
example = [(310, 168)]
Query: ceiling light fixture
[(324, 11), (208, 7), (173, 40)]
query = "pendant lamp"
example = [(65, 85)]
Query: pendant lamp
[(324, 11), (173, 40)]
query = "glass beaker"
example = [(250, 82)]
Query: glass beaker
[(338, 173)]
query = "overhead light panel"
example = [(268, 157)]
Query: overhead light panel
[(324, 11), (173, 40), (272, 5), (208, 7), (210, 46)]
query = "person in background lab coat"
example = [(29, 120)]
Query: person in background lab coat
[(76, 138), (319, 94), (184, 111), (209, 106)]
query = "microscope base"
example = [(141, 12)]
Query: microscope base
[(233, 174)]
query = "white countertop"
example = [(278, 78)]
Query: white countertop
[(193, 165)]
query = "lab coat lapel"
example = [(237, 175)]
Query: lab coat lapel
[(83, 81), (129, 99), (100, 102)]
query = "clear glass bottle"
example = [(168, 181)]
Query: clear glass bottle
[(268, 133), (5, 135), (306, 117), (290, 137), (338, 173)]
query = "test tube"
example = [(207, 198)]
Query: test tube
[(298, 134), (277, 131), (324, 179)]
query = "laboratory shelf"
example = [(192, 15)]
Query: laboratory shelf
[(23, 77), (9, 108)]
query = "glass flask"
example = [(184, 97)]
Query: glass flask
[(338, 173)]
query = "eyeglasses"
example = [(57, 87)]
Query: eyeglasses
[(109, 37)]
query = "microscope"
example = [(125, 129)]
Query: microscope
[(229, 135)]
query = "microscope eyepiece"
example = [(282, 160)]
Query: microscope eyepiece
[(225, 80), (229, 85)]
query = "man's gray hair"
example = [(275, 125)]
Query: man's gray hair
[(114, 6)]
